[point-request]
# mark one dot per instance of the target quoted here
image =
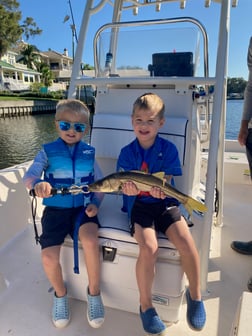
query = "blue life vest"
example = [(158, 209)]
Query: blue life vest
[(65, 169)]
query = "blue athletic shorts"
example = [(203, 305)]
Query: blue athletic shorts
[(159, 215), (57, 223)]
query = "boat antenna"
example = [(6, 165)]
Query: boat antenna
[(72, 26), (73, 23)]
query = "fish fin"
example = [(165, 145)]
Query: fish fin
[(193, 204), (160, 175)]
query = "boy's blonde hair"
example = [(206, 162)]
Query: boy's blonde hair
[(74, 105), (150, 101)]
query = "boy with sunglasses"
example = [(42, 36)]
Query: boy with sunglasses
[(62, 163)]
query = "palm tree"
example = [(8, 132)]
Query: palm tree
[(29, 56), (46, 74)]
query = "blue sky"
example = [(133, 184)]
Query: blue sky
[(49, 16)]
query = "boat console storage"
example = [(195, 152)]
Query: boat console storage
[(172, 64)]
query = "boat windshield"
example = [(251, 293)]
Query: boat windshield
[(145, 52)]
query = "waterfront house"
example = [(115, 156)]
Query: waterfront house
[(60, 65), (16, 76)]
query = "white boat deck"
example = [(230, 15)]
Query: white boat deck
[(26, 297)]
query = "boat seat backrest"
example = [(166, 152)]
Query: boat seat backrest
[(111, 132)]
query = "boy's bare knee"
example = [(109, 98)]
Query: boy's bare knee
[(50, 256), (149, 250)]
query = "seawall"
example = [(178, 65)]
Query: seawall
[(13, 108)]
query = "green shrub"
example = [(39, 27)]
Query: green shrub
[(57, 95)]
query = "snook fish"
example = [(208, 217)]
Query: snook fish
[(144, 182)]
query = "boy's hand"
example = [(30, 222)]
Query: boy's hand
[(91, 210), (43, 189), (157, 193), (130, 189)]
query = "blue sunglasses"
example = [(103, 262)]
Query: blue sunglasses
[(66, 125)]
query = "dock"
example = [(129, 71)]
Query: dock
[(14, 108)]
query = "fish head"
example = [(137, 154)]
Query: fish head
[(106, 185)]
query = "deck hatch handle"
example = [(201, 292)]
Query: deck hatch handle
[(108, 253)]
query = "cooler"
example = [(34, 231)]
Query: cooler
[(119, 253)]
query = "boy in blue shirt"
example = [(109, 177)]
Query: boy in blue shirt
[(62, 163), (153, 211)]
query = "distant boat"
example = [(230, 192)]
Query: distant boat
[(235, 96)]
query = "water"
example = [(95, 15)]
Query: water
[(21, 137), (233, 118)]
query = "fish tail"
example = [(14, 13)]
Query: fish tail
[(193, 204)]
